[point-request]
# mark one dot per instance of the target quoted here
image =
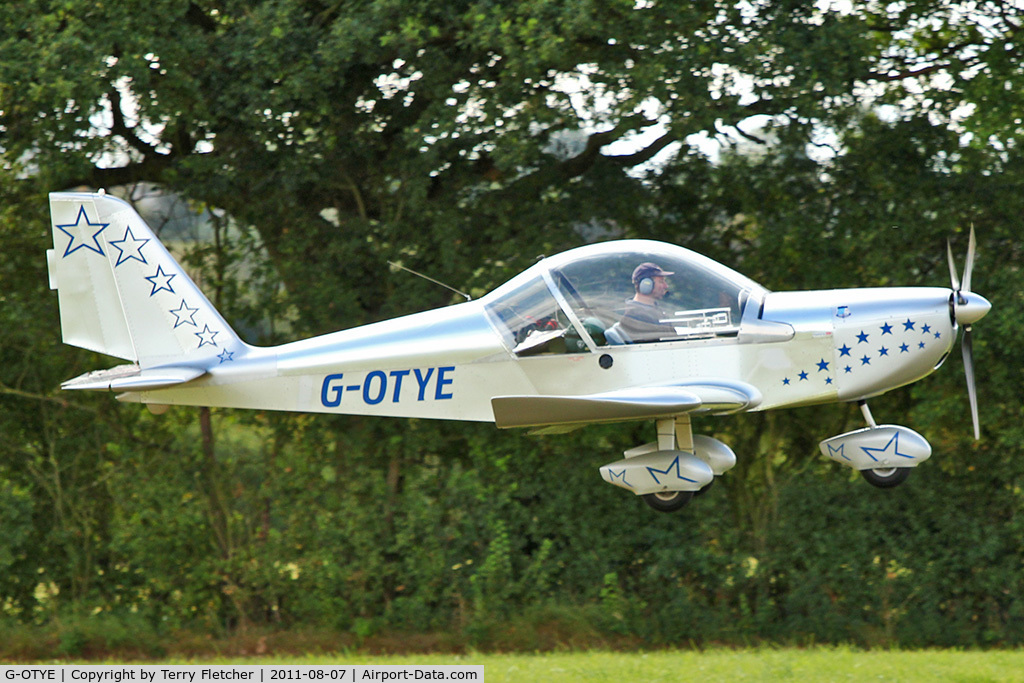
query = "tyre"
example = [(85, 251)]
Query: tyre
[(669, 501), (887, 478)]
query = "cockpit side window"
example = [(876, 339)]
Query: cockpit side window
[(691, 302)]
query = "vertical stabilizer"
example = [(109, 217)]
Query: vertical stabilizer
[(121, 293)]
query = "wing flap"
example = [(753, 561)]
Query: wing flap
[(640, 403)]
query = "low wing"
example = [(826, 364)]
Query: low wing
[(635, 403)]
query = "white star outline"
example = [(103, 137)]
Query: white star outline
[(184, 315), (129, 251), (161, 281), (77, 225), (206, 337)]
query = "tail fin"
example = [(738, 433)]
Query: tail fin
[(121, 293)]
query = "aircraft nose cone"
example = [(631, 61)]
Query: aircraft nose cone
[(971, 307)]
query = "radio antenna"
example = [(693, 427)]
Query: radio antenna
[(429, 279)]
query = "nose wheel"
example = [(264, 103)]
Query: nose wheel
[(882, 477)]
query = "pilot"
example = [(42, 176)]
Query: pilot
[(642, 319)]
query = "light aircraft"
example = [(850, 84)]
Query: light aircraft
[(566, 343)]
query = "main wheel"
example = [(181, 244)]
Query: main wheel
[(669, 501), (887, 478)]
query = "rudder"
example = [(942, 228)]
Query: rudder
[(121, 293)]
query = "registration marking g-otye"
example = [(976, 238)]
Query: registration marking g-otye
[(377, 386)]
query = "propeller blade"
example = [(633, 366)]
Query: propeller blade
[(967, 346), (954, 279), (969, 266)]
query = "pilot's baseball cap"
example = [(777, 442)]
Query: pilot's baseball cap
[(648, 270)]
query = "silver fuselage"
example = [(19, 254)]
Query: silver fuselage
[(823, 346)]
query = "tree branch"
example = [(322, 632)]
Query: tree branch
[(63, 403), (749, 136), (120, 127), (647, 153), (197, 17), (151, 169), (1005, 14)]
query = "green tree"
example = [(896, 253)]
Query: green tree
[(463, 139), (417, 126)]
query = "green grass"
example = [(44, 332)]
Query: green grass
[(822, 664)]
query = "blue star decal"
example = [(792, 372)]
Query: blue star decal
[(848, 369), (904, 348), (785, 381), (161, 281), (79, 231), (926, 329), (803, 376), (621, 475), (206, 337), (909, 325), (675, 465), (920, 345), (894, 442), (844, 350), (184, 315), (886, 329), (883, 351), (822, 365), (131, 249), (862, 338), (865, 361), (838, 451), (828, 380), (938, 335), (226, 356)]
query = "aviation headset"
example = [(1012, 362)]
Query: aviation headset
[(643, 277)]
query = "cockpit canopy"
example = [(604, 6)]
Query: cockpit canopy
[(581, 299)]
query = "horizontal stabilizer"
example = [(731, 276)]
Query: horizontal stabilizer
[(131, 378), (640, 403)]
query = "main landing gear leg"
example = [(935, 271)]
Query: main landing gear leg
[(674, 434), (884, 477)]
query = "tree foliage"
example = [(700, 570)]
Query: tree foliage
[(810, 145)]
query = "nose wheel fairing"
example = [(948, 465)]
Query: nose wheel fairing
[(884, 455), (882, 447)]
